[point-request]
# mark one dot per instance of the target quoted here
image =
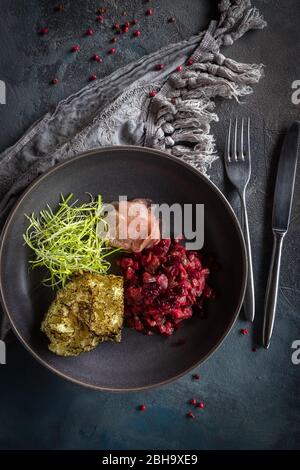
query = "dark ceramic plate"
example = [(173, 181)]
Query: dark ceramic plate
[(139, 361)]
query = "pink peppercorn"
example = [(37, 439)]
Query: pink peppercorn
[(244, 331), (44, 31), (125, 29), (113, 40), (149, 12), (113, 50), (97, 58), (89, 32), (159, 66), (100, 19), (134, 22), (142, 407), (127, 24), (172, 19), (196, 376), (193, 401), (179, 68), (190, 415), (93, 77), (200, 405), (54, 81), (137, 33), (152, 93), (190, 62), (75, 48)]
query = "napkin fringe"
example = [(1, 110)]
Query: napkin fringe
[(180, 115)]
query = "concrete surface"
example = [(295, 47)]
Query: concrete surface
[(252, 399)]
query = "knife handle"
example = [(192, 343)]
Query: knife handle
[(272, 288), (249, 300)]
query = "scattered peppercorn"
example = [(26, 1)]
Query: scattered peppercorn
[(44, 31), (193, 401), (75, 48), (152, 93), (254, 349), (190, 415), (124, 13), (196, 377), (112, 50), (97, 58), (127, 24), (93, 77), (190, 62), (142, 407), (149, 12), (125, 29), (200, 405), (134, 22), (159, 66), (113, 40), (100, 19), (244, 331), (172, 19), (54, 81), (137, 33), (89, 32), (179, 68)]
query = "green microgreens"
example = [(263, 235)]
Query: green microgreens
[(66, 242)]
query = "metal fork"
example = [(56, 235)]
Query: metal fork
[(238, 169)]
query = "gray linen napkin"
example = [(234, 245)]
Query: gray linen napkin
[(118, 109)]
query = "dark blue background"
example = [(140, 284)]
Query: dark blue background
[(252, 399)]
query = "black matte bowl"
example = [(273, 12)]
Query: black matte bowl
[(139, 361)]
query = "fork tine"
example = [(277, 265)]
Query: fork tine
[(227, 150), (242, 154), (234, 153), (248, 152)]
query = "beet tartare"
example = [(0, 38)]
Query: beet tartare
[(163, 286)]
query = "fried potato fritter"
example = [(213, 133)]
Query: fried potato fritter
[(87, 311)]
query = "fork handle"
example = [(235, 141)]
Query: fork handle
[(249, 300)]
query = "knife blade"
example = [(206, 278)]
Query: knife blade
[(282, 207)]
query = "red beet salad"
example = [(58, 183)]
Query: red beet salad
[(163, 286)]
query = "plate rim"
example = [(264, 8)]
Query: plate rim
[(158, 153)]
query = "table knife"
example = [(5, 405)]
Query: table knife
[(283, 198)]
